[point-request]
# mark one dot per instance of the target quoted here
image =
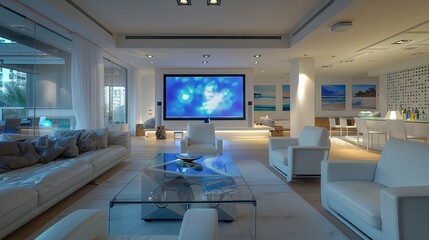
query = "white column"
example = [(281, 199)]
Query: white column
[(302, 90)]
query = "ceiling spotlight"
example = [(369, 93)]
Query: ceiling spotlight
[(149, 55), (341, 26), (205, 62), (257, 56), (184, 2), (206, 55), (255, 62), (213, 2), (402, 41)]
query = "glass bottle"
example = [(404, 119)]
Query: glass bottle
[(412, 115), (404, 114), (417, 114)]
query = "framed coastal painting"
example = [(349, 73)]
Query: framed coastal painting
[(286, 98), (333, 97), (364, 96), (264, 98)]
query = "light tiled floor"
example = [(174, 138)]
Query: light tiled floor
[(98, 193)]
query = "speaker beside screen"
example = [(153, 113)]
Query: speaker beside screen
[(250, 114), (158, 113)]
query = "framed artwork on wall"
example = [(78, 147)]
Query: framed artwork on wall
[(364, 96), (264, 98), (333, 97), (286, 98)]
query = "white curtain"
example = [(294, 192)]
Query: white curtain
[(135, 101), (87, 83)]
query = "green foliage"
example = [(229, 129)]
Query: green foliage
[(369, 92), (12, 95)]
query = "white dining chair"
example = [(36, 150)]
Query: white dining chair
[(344, 124), (369, 128), (332, 125), (397, 129)]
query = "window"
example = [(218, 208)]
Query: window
[(115, 93), (35, 79)]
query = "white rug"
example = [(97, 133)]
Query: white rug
[(281, 213)]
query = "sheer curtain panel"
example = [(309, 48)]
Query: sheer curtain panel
[(87, 83)]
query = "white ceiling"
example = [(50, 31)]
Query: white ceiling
[(365, 47)]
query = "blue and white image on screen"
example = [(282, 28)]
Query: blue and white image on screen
[(204, 97)]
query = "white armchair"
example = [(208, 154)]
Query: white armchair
[(388, 199), (201, 139), (300, 157), (91, 224)]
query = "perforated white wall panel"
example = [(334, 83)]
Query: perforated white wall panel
[(408, 88)]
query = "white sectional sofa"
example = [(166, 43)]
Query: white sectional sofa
[(388, 199), (27, 192)]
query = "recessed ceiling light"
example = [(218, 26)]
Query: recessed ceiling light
[(206, 55), (255, 62), (257, 56), (326, 66), (418, 53), (205, 62), (149, 55), (151, 62), (184, 2), (213, 2), (402, 41)]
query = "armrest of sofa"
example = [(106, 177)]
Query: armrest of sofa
[(219, 145), (199, 223), (120, 138), (81, 224), (184, 142), (310, 153), (342, 170), (405, 212), (281, 143)]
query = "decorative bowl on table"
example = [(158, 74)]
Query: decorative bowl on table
[(188, 157)]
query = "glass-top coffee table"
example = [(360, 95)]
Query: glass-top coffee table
[(173, 183)]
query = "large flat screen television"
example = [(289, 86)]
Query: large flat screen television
[(201, 97)]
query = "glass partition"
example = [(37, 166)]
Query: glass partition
[(115, 97), (35, 77)]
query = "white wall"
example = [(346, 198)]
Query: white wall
[(348, 82), (159, 81), (279, 113)]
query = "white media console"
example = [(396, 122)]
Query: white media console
[(224, 132)]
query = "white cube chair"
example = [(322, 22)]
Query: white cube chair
[(300, 157), (201, 139), (91, 224)]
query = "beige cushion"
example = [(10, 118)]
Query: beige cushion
[(9, 148)]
